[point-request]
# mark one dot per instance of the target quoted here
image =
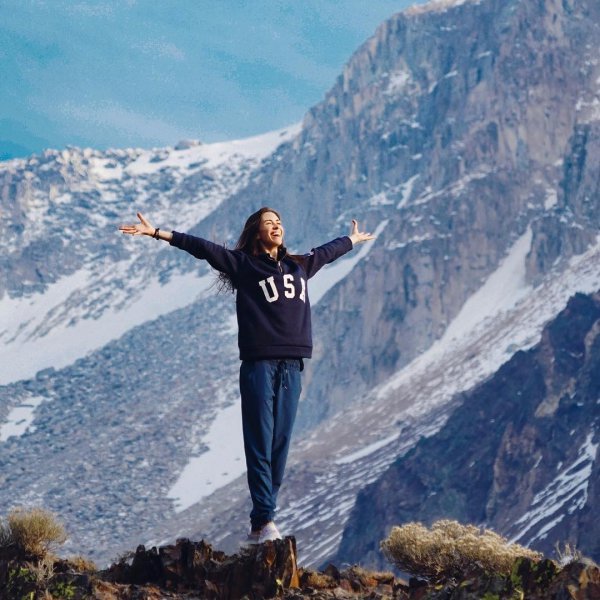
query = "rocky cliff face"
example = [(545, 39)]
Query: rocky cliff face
[(519, 455), (460, 131), (459, 125)]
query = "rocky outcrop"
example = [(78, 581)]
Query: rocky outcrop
[(189, 570), (519, 454), (193, 570), (261, 572)]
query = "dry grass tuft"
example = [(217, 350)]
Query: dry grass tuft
[(42, 570), (80, 564), (449, 549), (369, 578), (319, 581), (34, 532), (567, 554)]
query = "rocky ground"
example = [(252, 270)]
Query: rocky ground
[(193, 570)]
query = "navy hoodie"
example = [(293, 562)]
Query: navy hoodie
[(273, 310)]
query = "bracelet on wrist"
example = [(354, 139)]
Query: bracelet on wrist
[(155, 234)]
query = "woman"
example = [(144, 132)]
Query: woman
[(273, 314)]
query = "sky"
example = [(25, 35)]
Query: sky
[(147, 73)]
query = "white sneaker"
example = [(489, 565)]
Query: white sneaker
[(269, 533), (251, 539)]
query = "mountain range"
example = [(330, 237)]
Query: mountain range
[(464, 133)]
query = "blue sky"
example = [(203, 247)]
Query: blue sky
[(123, 73)]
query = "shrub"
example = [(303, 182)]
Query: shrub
[(34, 532), (449, 549)]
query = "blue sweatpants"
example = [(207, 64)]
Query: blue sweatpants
[(270, 390)]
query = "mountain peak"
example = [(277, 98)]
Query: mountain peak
[(437, 6)]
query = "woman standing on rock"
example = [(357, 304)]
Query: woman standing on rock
[(273, 314)]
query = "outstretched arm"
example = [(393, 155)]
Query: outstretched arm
[(359, 236), (217, 256), (319, 257), (144, 228)]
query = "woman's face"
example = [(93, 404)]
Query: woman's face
[(270, 231)]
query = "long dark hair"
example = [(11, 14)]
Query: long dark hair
[(248, 242)]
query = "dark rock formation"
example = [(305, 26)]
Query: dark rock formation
[(260, 572), (519, 454)]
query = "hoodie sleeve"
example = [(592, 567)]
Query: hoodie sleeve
[(217, 256), (323, 255)]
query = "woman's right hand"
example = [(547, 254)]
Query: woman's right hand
[(141, 228)]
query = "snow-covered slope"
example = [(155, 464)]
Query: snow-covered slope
[(54, 329), (567, 493)]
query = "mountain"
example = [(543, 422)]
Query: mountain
[(518, 455), (463, 132)]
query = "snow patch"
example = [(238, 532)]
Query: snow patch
[(455, 188), (367, 450), (31, 343), (213, 155), (569, 490), (20, 418), (380, 199), (551, 199), (407, 189), (221, 464), (416, 239), (438, 5), (589, 110), (398, 81), (105, 169), (501, 291)]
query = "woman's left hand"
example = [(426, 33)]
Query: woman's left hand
[(359, 236)]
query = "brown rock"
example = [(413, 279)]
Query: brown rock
[(577, 581), (259, 572)]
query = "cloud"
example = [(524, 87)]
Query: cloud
[(162, 48), (87, 9)]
